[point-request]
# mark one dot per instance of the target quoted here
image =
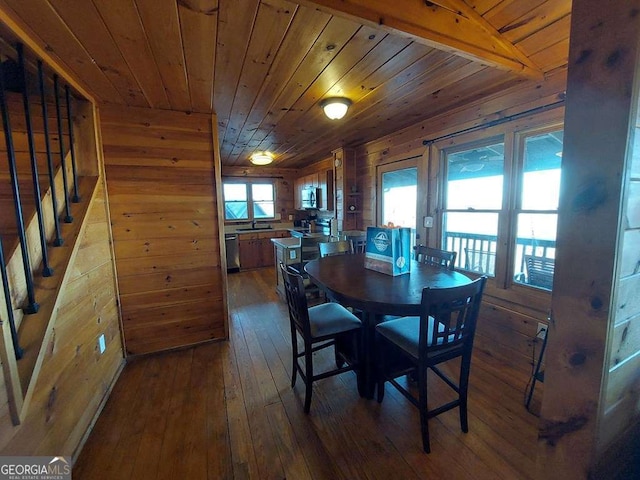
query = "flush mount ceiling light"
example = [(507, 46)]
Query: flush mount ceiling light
[(262, 158), (335, 108)]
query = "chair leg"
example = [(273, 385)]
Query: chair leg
[(308, 365), (336, 349), (294, 349), (380, 387), (464, 389), (423, 407), (380, 372)]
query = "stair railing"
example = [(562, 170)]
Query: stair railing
[(47, 271), (58, 241), (33, 306), (76, 195), (7, 297), (65, 182)]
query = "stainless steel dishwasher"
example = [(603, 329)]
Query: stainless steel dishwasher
[(233, 252)]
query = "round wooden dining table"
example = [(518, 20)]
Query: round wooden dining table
[(345, 280)]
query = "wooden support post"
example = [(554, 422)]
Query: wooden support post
[(579, 392)]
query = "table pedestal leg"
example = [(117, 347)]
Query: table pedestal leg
[(367, 377)]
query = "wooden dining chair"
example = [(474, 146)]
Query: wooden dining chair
[(341, 247), (435, 256), (359, 243), (444, 330), (319, 327)]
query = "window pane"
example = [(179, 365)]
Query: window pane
[(236, 211), (535, 249), (474, 237), (475, 178), (541, 177), (235, 191), (262, 191), (263, 210)]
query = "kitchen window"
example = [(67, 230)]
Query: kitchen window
[(248, 200), (500, 206)]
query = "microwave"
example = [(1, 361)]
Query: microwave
[(310, 197)]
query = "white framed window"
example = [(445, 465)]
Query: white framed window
[(500, 205), (473, 199), (536, 213), (248, 200)]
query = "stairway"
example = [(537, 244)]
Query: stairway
[(33, 297)]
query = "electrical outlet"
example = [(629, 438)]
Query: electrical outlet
[(542, 330), (102, 344), (428, 222)]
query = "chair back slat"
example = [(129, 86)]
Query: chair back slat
[(359, 243), (455, 312), (296, 300), (342, 247), (435, 256)]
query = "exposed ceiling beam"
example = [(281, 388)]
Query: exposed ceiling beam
[(449, 25)]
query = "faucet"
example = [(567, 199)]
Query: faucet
[(254, 224)]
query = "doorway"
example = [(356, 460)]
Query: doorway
[(398, 195)]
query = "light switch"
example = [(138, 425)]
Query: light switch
[(428, 222)]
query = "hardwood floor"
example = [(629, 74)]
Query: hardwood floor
[(226, 410)]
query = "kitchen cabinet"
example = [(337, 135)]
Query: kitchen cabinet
[(326, 190), (298, 186), (256, 249), (322, 180)]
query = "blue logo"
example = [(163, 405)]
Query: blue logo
[(381, 241)]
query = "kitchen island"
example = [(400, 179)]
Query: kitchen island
[(289, 251)]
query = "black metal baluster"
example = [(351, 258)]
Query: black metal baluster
[(11, 157), (7, 297), (52, 176), (47, 271), (76, 197), (67, 208)]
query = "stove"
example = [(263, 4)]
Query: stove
[(323, 226)]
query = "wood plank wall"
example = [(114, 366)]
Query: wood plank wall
[(621, 404), (160, 178), (74, 378), (508, 322)]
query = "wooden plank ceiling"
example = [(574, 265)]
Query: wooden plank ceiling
[(264, 65)]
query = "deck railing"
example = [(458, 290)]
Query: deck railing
[(477, 252)]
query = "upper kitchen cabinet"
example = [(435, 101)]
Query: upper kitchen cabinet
[(326, 190), (322, 185)]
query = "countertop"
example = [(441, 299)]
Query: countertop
[(276, 227), (286, 243)]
